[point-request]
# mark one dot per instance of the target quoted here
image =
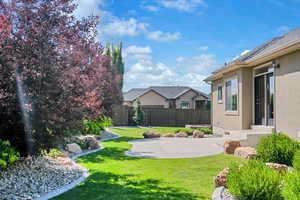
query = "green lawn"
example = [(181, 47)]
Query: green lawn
[(115, 176)]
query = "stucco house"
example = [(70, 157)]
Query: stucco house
[(179, 97), (260, 90)]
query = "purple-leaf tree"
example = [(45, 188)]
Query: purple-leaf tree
[(64, 75)]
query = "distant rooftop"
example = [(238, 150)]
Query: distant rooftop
[(169, 92)]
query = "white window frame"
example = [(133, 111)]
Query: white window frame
[(222, 96), (237, 108), (186, 102)]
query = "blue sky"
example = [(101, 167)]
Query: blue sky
[(180, 42)]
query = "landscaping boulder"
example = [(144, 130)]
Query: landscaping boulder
[(245, 152), (198, 134), (73, 148), (169, 135), (97, 137), (181, 135), (221, 178), (231, 145), (278, 167), (91, 141), (151, 135)]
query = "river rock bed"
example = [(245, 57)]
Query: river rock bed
[(32, 177)]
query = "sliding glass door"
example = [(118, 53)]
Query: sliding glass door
[(264, 97)]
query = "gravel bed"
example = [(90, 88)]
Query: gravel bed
[(32, 177)]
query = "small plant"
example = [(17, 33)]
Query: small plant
[(8, 155), (254, 181), (138, 116), (207, 131), (296, 161), (92, 127), (105, 122), (53, 153), (188, 131), (291, 186), (277, 148), (83, 144)]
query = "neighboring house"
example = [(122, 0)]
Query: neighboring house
[(167, 97), (260, 90)]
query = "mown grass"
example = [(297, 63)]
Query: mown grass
[(114, 176)]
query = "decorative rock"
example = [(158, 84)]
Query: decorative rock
[(151, 135), (65, 161), (169, 135), (73, 148), (181, 135), (221, 193), (198, 134), (278, 167), (221, 178), (91, 141), (245, 152), (231, 145), (97, 137)]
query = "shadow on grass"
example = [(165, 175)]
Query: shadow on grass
[(110, 152), (109, 186)]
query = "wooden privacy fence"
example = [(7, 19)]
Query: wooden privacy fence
[(122, 116)]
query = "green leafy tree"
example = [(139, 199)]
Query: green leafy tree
[(139, 114), (115, 53)]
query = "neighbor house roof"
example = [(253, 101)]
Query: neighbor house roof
[(269, 47), (168, 92)]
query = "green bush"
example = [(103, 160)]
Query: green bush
[(188, 131), (291, 186), (92, 127), (105, 122), (277, 148), (53, 153), (8, 155), (207, 131), (139, 114), (83, 144), (296, 161), (254, 181)]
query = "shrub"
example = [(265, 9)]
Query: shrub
[(83, 144), (296, 160), (291, 186), (105, 122), (53, 153), (8, 155), (207, 131), (92, 127), (188, 131), (277, 148), (254, 181)]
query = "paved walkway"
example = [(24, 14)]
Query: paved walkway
[(176, 147)]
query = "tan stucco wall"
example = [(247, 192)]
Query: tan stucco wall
[(242, 119), (152, 98), (287, 95), (187, 97)]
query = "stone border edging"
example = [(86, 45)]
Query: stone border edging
[(85, 174)]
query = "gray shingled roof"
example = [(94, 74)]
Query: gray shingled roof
[(169, 92), (268, 46)]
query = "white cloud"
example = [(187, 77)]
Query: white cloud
[(137, 53), (202, 48), (187, 72), (120, 27), (183, 5), (150, 8), (163, 36), (89, 7), (283, 29), (202, 64)]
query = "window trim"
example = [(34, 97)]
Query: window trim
[(232, 112), (188, 103), (222, 93)]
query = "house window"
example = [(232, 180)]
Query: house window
[(220, 94), (232, 95), (185, 105)]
